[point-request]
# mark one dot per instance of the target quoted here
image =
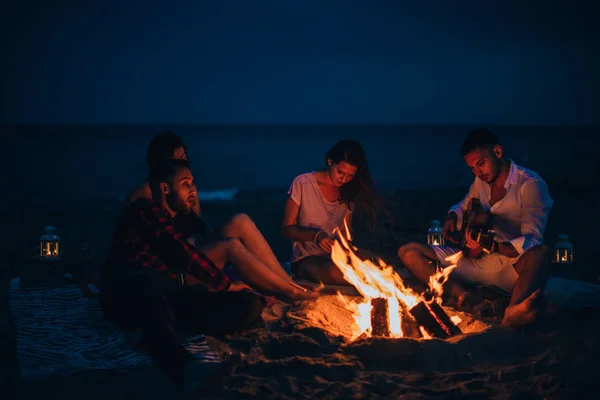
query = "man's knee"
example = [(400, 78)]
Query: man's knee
[(535, 258), (134, 299), (539, 254)]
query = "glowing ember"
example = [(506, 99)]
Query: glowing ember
[(380, 281)]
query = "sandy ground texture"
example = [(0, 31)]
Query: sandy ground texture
[(286, 359)]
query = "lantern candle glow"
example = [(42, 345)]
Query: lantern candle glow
[(434, 234), (49, 244), (563, 251)]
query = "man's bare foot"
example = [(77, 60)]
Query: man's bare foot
[(525, 312)]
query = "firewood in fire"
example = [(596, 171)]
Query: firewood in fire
[(434, 320), (410, 328), (379, 317)]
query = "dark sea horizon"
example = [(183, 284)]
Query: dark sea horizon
[(104, 162)]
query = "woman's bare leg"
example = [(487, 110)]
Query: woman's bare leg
[(321, 269), (253, 270), (241, 227)]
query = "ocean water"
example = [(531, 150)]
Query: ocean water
[(74, 163)]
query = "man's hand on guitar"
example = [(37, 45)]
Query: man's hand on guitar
[(470, 242), (475, 248), (449, 229)]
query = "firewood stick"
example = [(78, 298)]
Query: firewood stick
[(379, 317), (344, 308), (298, 287), (299, 318)]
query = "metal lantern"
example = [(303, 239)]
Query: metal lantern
[(435, 236), (49, 244), (563, 250)]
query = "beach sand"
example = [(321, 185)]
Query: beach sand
[(282, 359)]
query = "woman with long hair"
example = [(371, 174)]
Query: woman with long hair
[(318, 203)]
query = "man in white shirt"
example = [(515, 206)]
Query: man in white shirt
[(519, 203)]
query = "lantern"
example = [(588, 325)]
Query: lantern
[(49, 244), (563, 250), (435, 236)]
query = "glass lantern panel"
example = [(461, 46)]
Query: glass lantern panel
[(559, 255), (563, 256), (435, 239), (45, 250), (49, 249)]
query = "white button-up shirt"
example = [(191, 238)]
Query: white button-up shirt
[(521, 216)]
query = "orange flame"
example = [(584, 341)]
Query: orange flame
[(440, 277), (378, 281)]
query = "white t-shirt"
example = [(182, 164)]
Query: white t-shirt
[(315, 212)]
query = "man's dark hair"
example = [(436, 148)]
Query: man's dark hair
[(481, 138), (162, 147), (164, 171)]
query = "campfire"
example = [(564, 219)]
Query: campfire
[(387, 307)]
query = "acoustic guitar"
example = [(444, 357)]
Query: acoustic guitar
[(480, 223), (475, 217)]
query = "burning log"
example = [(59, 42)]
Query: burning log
[(410, 328), (434, 320), (379, 317)]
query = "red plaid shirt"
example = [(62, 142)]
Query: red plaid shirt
[(146, 237)]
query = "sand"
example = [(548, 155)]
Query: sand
[(292, 359), (285, 358)]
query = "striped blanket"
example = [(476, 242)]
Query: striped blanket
[(61, 332)]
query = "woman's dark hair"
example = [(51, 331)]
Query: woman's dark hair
[(358, 193), (162, 147)]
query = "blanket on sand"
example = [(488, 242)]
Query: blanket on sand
[(61, 332)]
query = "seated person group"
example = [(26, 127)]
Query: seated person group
[(165, 272)]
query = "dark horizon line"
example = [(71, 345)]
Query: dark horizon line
[(300, 125)]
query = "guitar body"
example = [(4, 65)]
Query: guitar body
[(480, 223)]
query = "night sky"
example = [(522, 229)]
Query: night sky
[(309, 61)]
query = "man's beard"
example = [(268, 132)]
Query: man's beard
[(495, 171), (178, 205)]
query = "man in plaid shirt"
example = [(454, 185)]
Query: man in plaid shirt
[(146, 237), (140, 288), (140, 285)]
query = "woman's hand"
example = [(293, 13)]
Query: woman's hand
[(324, 241)]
